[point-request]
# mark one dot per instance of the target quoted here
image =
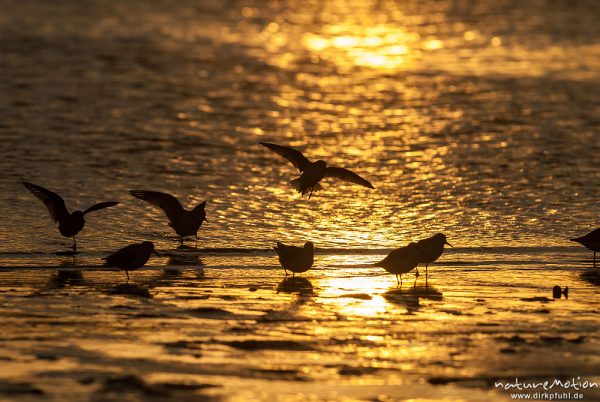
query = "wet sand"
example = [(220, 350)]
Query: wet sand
[(216, 326)]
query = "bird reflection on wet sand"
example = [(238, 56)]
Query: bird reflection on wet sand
[(130, 289), (295, 284), (62, 278), (410, 296), (591, 276), (177, 264)]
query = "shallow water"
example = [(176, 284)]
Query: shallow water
[(476, 119)]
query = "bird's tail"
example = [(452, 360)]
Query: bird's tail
[(576, 240), (301, 188)]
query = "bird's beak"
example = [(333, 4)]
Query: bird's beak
[(449, 244)]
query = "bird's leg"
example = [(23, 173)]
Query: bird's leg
[(594, 259), (74, 246), (127, 273), (417, 274), (181, 240), (286, 274), (400, 280), (196, 239), (426, 265), (397, 281)]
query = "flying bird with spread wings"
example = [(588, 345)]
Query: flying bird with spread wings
[(184, 223), (314, 172), (69, 224)]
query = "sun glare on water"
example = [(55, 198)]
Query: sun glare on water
[(379, 46)]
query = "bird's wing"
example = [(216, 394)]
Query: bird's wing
[(199, 207), (164, 201), (346, 175), (299, 161), (54, 202), (100, 205)]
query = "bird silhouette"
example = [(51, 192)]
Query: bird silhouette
[(69, 224), (401, 261), (591, 241), (296, 259), (430, 249), (131, 257), (313, 172), (184, 223)]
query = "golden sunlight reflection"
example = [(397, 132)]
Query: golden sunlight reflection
[(353, 296), (379, 46)]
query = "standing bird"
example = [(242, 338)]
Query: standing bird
[(431, 248), (313, 172), (131, 257), (591, 241), (296, 259), (184, 223), (69, 224), (401, 261)]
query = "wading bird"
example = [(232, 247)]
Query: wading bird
[(131, 257), (431, 248), (313, 172), (184, 223), (296, 259), (591, 241), (401, 261), (69, 224)]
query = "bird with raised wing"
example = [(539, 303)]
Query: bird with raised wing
[(131, 257), (590, 241), (296, 259), (69, 224), (313, 172), (431, 248), (184, 223), (401, 261)]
